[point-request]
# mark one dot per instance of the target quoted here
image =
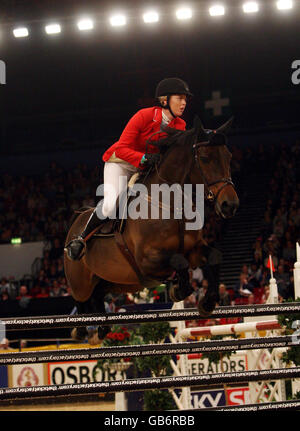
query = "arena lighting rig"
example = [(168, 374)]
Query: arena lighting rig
[(151, 17)]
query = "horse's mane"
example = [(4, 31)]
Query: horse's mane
[(174, 137)]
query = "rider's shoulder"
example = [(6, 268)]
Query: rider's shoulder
[(149, 112)]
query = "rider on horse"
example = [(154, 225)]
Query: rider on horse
[(128, 154)]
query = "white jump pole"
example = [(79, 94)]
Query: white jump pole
[(297, 272), (186, 397), (296, 382), (273, 296), (252, 354)]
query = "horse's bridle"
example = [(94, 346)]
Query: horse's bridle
[(211, 196)]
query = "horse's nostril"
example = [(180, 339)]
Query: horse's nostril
[(229, 209), (225, 206)]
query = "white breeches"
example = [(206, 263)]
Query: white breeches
[(116, 177)]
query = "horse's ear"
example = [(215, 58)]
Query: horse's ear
[(199, 129), (226, 126)]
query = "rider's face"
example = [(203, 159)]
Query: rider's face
[(177, 104)]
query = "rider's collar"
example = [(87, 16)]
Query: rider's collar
[(157, 117)]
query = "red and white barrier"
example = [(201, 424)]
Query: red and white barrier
[(229, 329)]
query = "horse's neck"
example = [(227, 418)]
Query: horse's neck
[(173, 169)]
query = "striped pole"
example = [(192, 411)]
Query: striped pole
[(140, 384), (69, 321), (236, 328), (263, 407), (146, 350)]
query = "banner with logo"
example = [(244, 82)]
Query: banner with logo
[(79, 372), (27, 375), (218, 397), (199, 365)]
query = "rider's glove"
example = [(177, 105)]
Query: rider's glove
[(150, 159)]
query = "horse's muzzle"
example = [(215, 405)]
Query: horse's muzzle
[(227, 209)]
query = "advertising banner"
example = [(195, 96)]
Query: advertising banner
[(200, 365), (26, 375), (79, 372)]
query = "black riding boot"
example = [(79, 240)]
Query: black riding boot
[(76, 246)]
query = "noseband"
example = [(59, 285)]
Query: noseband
[(211, 196)]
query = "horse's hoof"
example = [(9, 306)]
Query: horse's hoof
[(207, 305), (78, 334), (174, 294), (93, 338), (203, 312)]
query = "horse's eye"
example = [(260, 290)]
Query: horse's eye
[(203, 154)]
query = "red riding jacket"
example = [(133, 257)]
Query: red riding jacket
[(132, 143)]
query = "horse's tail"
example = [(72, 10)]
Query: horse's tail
[(77, 213)]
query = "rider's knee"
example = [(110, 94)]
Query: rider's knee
[(108, 209)]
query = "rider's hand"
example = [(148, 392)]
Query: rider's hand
[(150, 159)]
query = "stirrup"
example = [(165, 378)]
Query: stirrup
[(68, 248)]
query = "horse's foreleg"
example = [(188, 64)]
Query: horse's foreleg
[(94, 305), (211, 270), (184, 288)]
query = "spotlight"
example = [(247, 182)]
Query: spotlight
[(284, 4), (250, 7), (118, 20), (20, 32), (53, 28), (150, 16), (216, 10), (85, 24), (184, 13)]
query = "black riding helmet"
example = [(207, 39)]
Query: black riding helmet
[(169, 86)]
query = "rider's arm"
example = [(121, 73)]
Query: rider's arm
[(126, 146)]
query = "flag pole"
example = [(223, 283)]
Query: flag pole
[(273, 296), (271, 265)]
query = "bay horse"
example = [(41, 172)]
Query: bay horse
[(148, 251)]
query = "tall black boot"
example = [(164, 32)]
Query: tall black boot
[(76, 246)]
